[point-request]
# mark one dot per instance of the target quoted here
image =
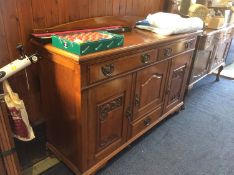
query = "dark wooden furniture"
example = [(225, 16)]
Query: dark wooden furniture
[(211, 52), (9, 163), (96, 105)]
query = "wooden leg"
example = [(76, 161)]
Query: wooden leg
[(218, 74), (182, 107), (49, 153), (189, 88)]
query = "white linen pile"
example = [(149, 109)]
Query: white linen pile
[(168, 24)]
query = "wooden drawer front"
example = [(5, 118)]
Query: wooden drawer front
[(201, 64), (205, 42), (108, 69), (150, 118), (230, 33), (221, 36), (170, 50)]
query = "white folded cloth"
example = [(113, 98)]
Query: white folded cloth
[(168, 23)]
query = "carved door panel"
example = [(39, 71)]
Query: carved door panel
[(177, 80), (109, 109), (220, 54), (201, 64), (150, 86)]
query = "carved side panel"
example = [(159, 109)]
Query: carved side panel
[(110, 121), (108, 105), (177, 83), (220, 54), (201, 64)]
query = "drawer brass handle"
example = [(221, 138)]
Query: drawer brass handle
[(167, 52), (168, 91), (147, 121), (188, 44), (129, 113), (108, 69), (145, 58), (137, 100)]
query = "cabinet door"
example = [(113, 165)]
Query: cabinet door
[(201, 64), (108, 109), (150, 86), (221, 52), (177, 80)]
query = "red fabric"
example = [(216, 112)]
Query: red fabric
[(18, 126)]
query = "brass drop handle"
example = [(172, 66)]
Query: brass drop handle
[(108, 69), (129, 113), (137, 100), (188, 44), (145, 58), (147, 121), (168, 90), (167, 52)]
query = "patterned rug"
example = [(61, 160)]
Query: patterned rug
[(197, 141)]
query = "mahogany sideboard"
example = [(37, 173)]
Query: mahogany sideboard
[(96, 105), (211, 52)]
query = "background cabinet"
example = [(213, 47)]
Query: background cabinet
[(202, 63), (220, 53), (211, 52)]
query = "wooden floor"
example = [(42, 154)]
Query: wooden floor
[(41, 166)]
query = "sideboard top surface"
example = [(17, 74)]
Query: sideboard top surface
[(208, 31), (134, 40)]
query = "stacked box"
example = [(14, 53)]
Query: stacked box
[(87, 42)]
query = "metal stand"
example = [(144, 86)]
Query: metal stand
[(9, 163)]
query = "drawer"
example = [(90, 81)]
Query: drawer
[(145, 122), (230, 33), (175, 48), (205, 42), (111, 68), (222, 36)]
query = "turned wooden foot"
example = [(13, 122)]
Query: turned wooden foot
[(218, 74), (189, 88), (182, 107)]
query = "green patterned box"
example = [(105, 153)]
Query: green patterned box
[(87, 45)]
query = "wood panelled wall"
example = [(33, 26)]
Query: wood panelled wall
[(19, 17)]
